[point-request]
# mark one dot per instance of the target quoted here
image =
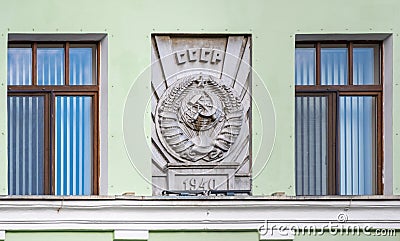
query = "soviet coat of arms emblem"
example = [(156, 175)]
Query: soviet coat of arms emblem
[(201, 113), (199, 119)]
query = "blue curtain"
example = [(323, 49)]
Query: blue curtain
[(81, 66), (25, 145), (19, 66), (357, 144), (50, 66), (363, 66), (311, 145), (305, 66), (74, 138), (334, 67)]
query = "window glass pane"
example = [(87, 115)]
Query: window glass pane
[(366, 65), (305, 66), (74, 145), (357, 144), (81, 68), (334, 66), (50, 66), (25, 145), (19, 66), (311, 145)]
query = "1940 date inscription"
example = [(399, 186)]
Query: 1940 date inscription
[(199, 184)]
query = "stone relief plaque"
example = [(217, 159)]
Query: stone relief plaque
[(201, 112)]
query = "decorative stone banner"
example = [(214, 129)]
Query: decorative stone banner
[(201, 112)]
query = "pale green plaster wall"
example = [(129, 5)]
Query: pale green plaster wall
[(59, 236), (203, 236), (129, 25), (153, 236), (344, 237)]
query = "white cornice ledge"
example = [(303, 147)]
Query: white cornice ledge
[(132, 217)]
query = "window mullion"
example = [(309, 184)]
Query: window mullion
[(318, 63), (47, 148), (333, 144), (66, 63), (52, 140), (34, 63), (350, 62)]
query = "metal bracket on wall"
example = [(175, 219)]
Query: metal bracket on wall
[(205, 192)]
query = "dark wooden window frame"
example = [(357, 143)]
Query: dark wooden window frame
[(49, 92), (333, 92)]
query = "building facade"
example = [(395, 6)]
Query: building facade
[(212, 120)]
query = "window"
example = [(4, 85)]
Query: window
[(338, 112), (53, 118)]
